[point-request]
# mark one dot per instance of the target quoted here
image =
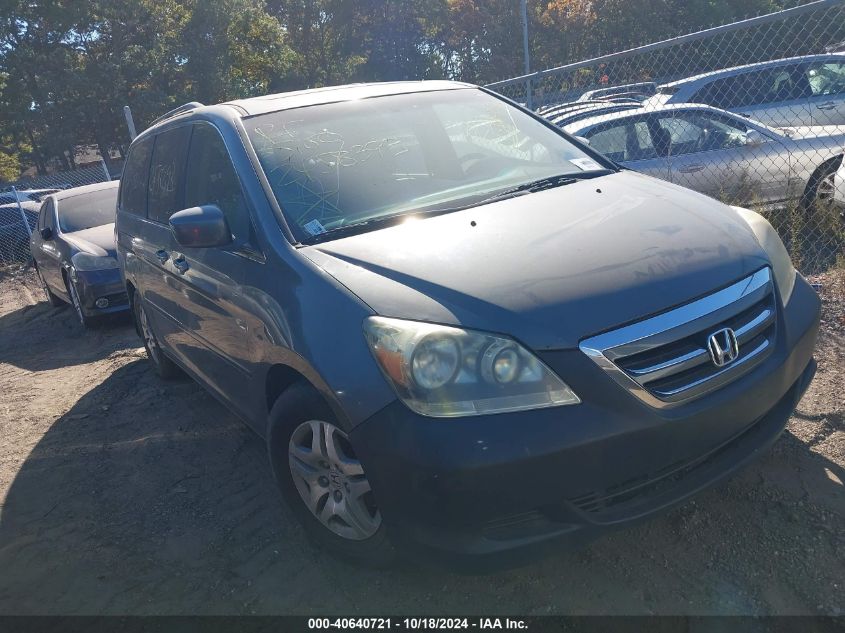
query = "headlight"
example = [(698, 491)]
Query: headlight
[(84, 261), (769, 239), (447, 372)]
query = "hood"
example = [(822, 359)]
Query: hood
[(98, 240), (552, 267)]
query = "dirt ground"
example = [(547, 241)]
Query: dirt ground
[(121, 494)]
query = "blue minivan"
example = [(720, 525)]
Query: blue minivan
[(461, 331)]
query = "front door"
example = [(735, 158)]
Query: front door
[(46, 252), (827, 83), (215, 342), (710, 153)]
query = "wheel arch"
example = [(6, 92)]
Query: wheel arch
[(130, 293), (833, 161), (281, 376)]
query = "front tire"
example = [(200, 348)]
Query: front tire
[(322, 480), (162, 365), (820, 189)]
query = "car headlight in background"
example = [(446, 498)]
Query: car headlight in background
[(85, 262), (442, 371), (769, 239)]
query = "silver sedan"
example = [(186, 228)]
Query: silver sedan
[(718, 153)]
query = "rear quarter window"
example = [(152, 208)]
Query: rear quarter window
[(133, 184), (167, 173)]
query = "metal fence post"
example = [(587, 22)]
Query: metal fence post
[(130, 122), (105, 169), (23, 215), (529, 94)]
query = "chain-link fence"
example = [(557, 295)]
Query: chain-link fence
[(751, 113), (21, 201)]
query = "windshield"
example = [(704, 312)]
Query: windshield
[(337, 165), (87, 210)]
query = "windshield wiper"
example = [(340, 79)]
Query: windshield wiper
[(366, 225), (549, 182), (541, 184)]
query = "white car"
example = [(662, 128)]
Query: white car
[(719, 153), (798, 91), (24, 195)]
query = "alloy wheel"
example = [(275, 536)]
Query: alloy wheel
[(826, 189), (331, 480)]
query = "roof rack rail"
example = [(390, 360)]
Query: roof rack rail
[(193, 105)]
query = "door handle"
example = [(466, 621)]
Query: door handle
[(181, 265), (826, 106), (691, 169), (163, 256)]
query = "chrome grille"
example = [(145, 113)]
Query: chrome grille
[(664, 360)]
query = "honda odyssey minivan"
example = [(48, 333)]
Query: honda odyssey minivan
[(461, 331)]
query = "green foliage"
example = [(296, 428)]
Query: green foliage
[(10, 167), (68, 67)]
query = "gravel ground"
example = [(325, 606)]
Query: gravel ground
[(121, 494)]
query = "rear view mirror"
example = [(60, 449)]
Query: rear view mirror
[(753, 138), (46, 233), (201, 227)]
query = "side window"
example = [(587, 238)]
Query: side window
[(133, 182), (752, 88), (167, 171), (610, 141), (826, 78), (211, 179), (722, 93), (42, 214), (692, 132), (626, 142), (790, 83), (47, 215)]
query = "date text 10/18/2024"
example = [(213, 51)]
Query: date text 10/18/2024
[(415, 624)]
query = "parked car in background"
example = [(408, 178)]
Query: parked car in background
[(74, 251), (24, 195), (578, 112), (637, 91), (458, 331), (798, 91), (719, 153), (560, 109)]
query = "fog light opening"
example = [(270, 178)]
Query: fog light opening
[(101, 303)]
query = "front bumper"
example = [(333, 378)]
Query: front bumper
[(101, 284), (497, 488)]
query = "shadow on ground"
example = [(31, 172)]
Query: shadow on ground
[(40, 337), (151, 498), (146, 497)]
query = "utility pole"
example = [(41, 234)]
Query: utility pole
[(529, 97)]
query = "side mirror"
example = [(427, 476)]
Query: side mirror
[(753, 138), (201, 227), (46, 233), (583, 139)]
